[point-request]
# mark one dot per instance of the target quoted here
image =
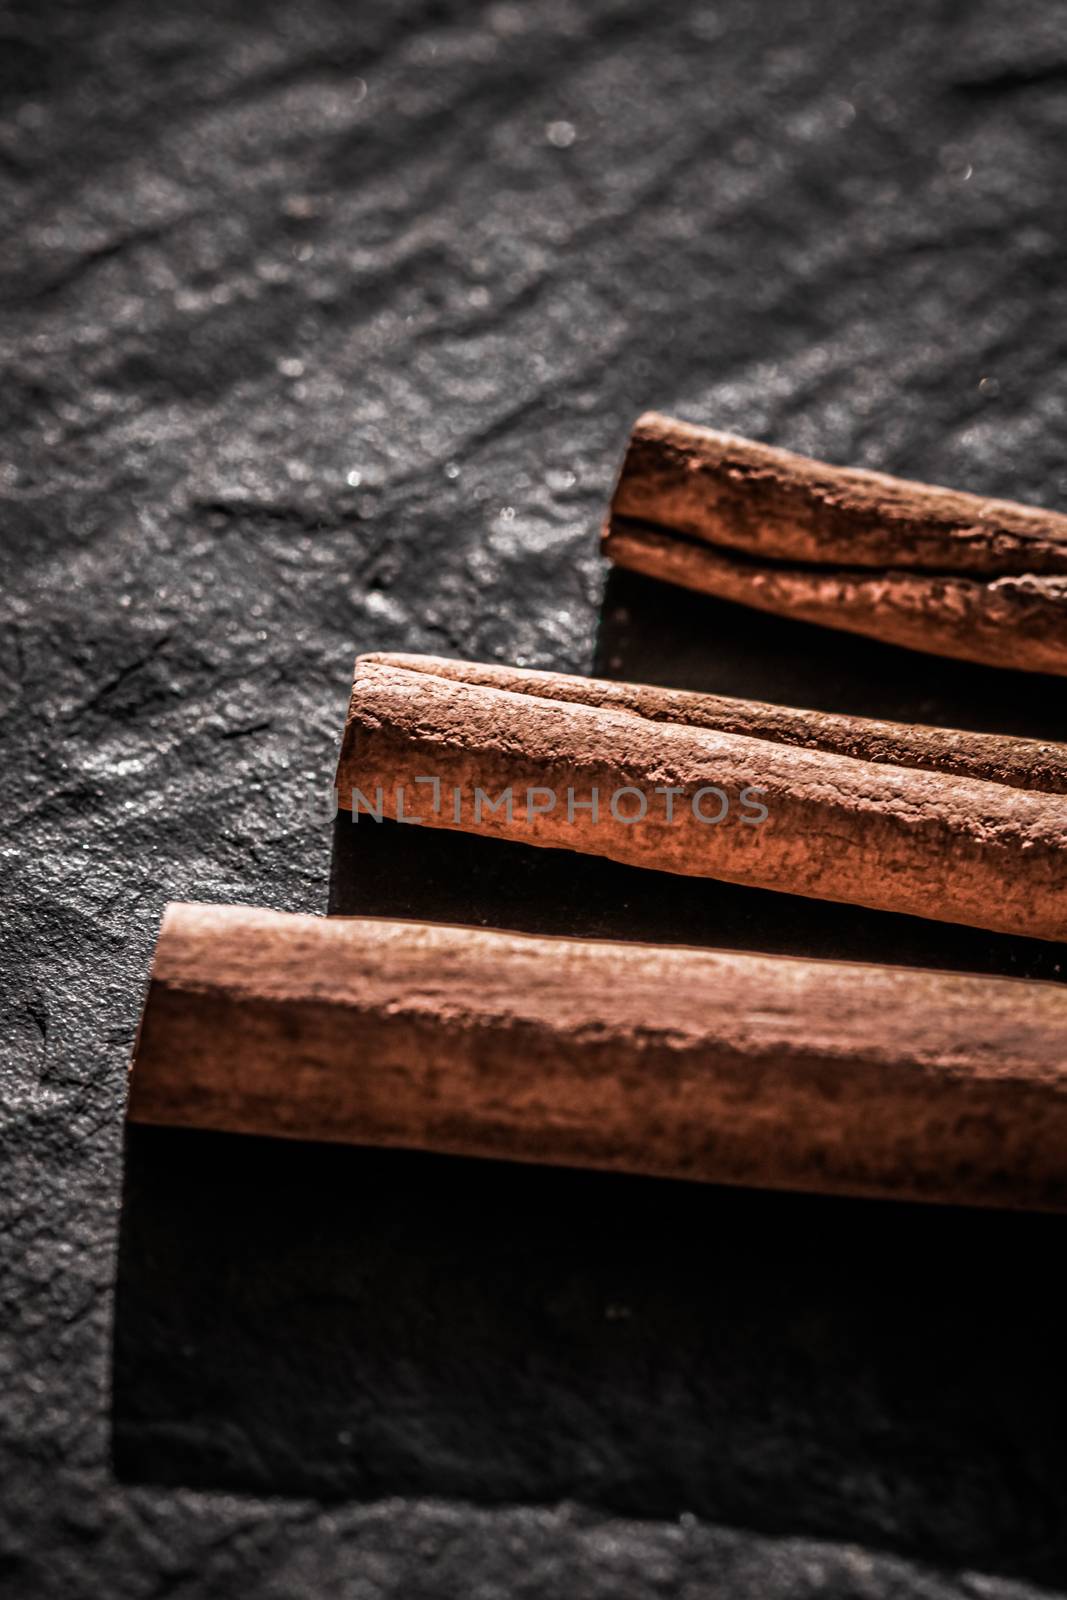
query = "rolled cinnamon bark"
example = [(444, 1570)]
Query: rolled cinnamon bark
[(909, 563), (1003, 758), (707, 1065), (932, 822)]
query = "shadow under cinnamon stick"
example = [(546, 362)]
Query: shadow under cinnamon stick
[(395, 870), (654, 632), (323, 1320)]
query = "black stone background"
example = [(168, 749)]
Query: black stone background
[(249, 251)]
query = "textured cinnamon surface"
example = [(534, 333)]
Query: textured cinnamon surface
[(1038, 764), (668, 1061), (838, 827), (913, 564)]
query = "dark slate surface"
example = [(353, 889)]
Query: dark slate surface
[(322, 328)]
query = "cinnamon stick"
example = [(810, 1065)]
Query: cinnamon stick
[(954, 826), (706, 1065), (1003, 758), (909, 563)]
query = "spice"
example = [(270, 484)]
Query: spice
[(958, 827), (908, 563), (717, 1066)]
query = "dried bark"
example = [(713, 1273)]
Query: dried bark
[(912, 564), (932, 822), (1002, 758), (705, 1065)]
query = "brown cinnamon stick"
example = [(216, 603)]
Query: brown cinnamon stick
[(958, 827), (909, 563), (1003, 758), (728, 1068)]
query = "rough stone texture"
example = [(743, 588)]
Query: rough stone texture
[(251, 252)]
